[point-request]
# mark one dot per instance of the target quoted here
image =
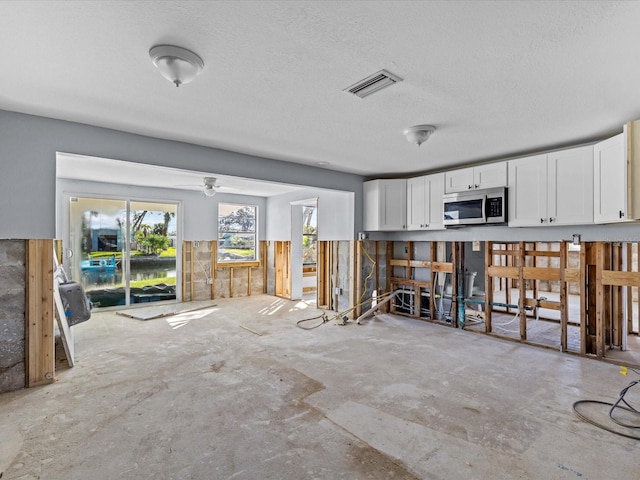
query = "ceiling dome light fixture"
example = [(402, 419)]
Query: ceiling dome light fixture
[(419, 134), (209, 190), (176, 64)]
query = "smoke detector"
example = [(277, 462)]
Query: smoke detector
[(373, 83)]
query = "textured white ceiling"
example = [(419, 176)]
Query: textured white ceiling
[(496, 78)]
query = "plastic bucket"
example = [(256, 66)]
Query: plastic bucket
[(469, 279)]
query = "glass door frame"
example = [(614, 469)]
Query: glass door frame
[(126, 267)]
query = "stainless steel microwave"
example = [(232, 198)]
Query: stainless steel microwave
[(476, 207)]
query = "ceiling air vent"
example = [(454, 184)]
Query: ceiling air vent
[(373, 83)]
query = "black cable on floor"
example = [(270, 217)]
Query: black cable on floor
[(614, 406), (299, 323)]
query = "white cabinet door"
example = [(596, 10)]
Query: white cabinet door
[(570, 186), (417, 201), (610, 180), (491, 175), (385, 205), (436, 207), (528, 191), (459, 180), (425, 210), (394, 216)]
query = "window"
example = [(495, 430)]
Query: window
[(309, 235), (236, 233)]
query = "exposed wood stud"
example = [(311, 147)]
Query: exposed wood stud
[(583, 298), (523, 292), (39, 314), (214, 257), (263, 260), (191, 271), (564, 304), (352, 276), (488, 286), (358, 263), (184, 271), (599, 318), (454, 284)]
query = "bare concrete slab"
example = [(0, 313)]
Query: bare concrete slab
[(394, 398)]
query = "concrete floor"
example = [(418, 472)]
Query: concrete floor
[(196, 396)]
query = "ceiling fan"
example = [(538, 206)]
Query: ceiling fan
[(210, 186)]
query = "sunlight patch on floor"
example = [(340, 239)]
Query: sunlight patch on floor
[(182, 319)]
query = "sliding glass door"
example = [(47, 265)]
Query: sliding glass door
[(123, 252), (152, 263)]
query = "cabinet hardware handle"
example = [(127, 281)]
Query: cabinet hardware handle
[(476, 186), (542, 220), (469, 187), (550, 219), (621, 214)]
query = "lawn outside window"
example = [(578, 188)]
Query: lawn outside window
[(236, 233)]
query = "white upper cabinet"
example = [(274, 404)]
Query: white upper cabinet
[(527, 191), (385, 205), (424, 202), (553, 189), (610, 180), (570, 183), (491, 175)]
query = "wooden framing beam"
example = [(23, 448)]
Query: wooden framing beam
[(523, 293), (191, 271), (488, 285), (599, 288), (214, 261), (564, 304), (583, 298), (39, 314), (360, 288)]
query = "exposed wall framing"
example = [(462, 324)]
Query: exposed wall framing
[(203, 278), (580, 299), (417, 272)]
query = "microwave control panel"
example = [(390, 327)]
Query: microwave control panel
[(494, 207)]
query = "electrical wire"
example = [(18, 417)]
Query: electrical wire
[(323, 315), (340, 316), (373, 269), (614, 406)]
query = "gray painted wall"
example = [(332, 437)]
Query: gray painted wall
[(28, 146)]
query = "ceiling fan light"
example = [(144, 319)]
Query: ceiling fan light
[(176, 64), (419, 134)]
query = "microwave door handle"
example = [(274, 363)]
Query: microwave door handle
[(484, 209)]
